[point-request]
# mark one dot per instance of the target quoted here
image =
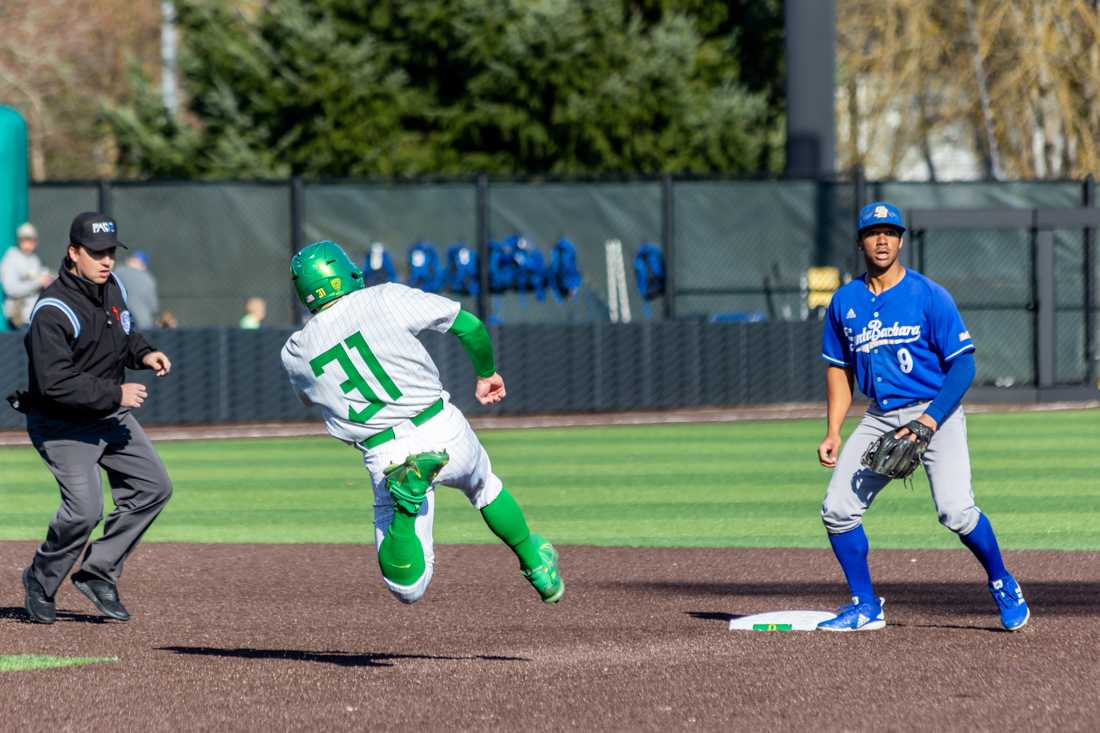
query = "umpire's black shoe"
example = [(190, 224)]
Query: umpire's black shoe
[(103, 594), (39, 606)]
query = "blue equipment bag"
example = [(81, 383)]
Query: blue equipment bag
[(564, 276), (425, 270), (378, 266), (649, 271), (530, 267), (462, 273), (502, 267)]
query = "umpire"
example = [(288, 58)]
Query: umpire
[(80, 342)]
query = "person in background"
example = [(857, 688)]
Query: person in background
[(255, 311), (167, 320), (141, 289), (23, 276)]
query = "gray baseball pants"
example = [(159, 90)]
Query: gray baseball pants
[(947, 463), (140, 487)]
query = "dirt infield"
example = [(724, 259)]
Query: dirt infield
[(233, 637)]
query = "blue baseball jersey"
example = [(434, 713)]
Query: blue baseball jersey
[(899, 342)]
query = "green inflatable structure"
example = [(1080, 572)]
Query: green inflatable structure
[(13, 179)]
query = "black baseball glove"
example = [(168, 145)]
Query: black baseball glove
[(898, 457)]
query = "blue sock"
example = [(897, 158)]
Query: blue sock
[(983, 543), (850, 549)]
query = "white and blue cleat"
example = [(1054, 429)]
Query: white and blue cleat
[(1010, 602), (857, 616)]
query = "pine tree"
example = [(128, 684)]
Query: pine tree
[(343, 88)]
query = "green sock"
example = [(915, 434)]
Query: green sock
[(401, 556), (506, 520)]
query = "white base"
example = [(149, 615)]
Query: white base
[(776, 620)]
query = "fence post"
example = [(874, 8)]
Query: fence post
[(859, 191), (482, 223), (920, 253), (668, 242), (1088, 200), (826, 200), (859, 198), (1045, 322), (599, 348), (297, 232), (103, 195), (225, 414)]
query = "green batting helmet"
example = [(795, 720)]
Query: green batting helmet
[(323, 272)]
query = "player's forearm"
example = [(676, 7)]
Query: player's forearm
[(838, 396), (960, 375), (137, 348), (474, 337)]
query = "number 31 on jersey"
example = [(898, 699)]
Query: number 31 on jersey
[(355, 381)]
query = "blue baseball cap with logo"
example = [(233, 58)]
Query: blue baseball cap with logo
[(881, 213)]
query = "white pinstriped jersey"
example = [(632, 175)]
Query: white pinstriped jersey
[(360, 361)]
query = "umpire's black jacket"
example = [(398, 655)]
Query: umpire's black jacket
[(80, 343)]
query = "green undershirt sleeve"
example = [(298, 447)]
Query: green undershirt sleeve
[(474, 337)]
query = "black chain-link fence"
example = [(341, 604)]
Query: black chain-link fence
[(990, 276), (735, 251), (230, 375), (735, 248), (1022, 285)]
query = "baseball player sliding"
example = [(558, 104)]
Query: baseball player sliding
[(358, 358), (901, 337)]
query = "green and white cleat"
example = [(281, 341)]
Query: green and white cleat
[(408, 482), (545, 578)]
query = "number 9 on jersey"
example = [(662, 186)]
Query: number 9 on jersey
[(905, 360)]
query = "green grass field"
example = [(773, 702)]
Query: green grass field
[(29, 662), (1037, 475)]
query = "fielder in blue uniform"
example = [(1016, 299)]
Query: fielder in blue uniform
[(901, 338)]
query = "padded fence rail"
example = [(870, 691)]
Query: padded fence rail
[(229, 375)]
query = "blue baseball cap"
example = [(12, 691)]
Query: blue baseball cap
[(878, 213)]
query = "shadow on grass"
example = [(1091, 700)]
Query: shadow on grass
[(19, 615), (340, 659)]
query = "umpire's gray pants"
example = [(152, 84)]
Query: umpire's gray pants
[(947, 463), (139, 485)]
